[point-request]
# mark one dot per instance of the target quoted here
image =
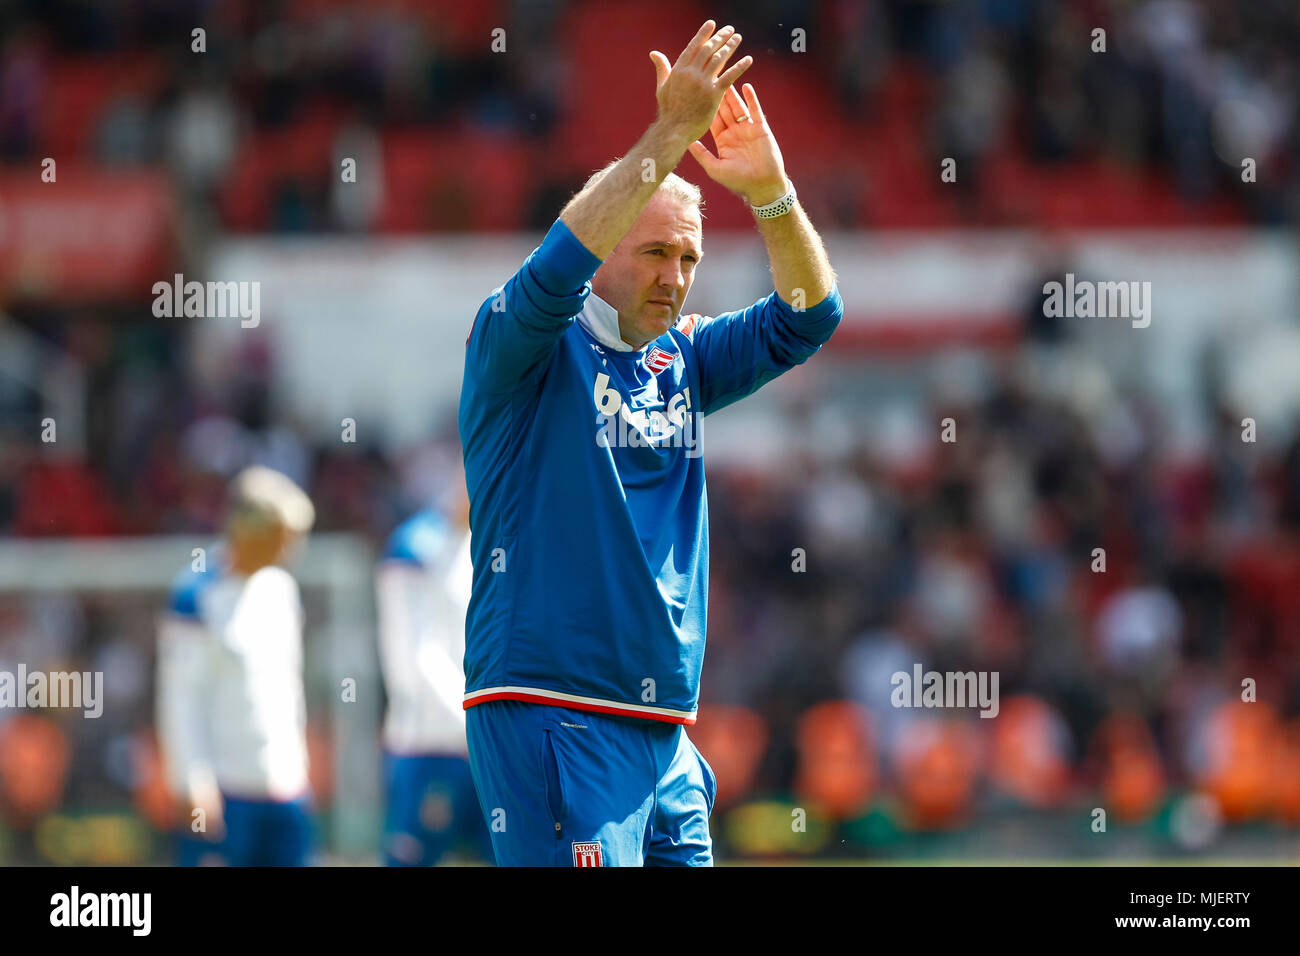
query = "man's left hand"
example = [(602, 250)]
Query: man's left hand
[(748, 161)]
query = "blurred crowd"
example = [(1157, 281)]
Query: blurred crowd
[(486, 115), (1129, 602), (1141, 611)]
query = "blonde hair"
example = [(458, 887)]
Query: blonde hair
[(261, 495), (673, 185)]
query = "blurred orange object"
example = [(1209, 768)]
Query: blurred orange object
[(938, 766), (1133, 778), (1286, 774), (1030, 752), (150, 793), (33, 766), (1242, 741), (837, 758), (320, 763), (732, 740)]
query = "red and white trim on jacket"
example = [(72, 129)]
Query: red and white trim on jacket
[(686, 324), (538, 695)]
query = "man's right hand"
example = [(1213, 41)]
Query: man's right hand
[(690, 91)]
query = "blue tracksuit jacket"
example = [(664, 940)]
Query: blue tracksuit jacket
[(589, 517)]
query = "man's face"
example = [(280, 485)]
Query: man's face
[(648, 274), (256, 545)]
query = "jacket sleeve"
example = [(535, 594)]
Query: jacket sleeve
[(401, 603), (182, 704), (517, 327), (740, 352)]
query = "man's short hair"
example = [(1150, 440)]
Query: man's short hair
[(260, 495), (673, 185)]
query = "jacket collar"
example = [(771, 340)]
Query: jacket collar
[(600, 319)]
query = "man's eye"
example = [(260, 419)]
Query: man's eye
[(656, 252)]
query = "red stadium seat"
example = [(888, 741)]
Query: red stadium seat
[(733, 741), (837, 759)]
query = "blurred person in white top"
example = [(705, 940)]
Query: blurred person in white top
[(231, 708), (422, 587)]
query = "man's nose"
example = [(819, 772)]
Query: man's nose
[(672, 277)]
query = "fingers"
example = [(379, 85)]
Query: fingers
[(718, 126), (662, 67), (720, 39), (703, 156), (708, 53), (688, 54), (736, 72), (755, 110), (711, 51), (726, 111), (734, 106), (722, 55)]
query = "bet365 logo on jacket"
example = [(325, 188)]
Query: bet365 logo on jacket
[(619, 426)]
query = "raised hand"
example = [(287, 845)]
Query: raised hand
[(690, 91), (749, 160)]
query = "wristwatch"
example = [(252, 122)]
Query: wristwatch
[(776, 208)]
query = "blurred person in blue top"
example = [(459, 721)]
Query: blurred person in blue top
[(422, 588)]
